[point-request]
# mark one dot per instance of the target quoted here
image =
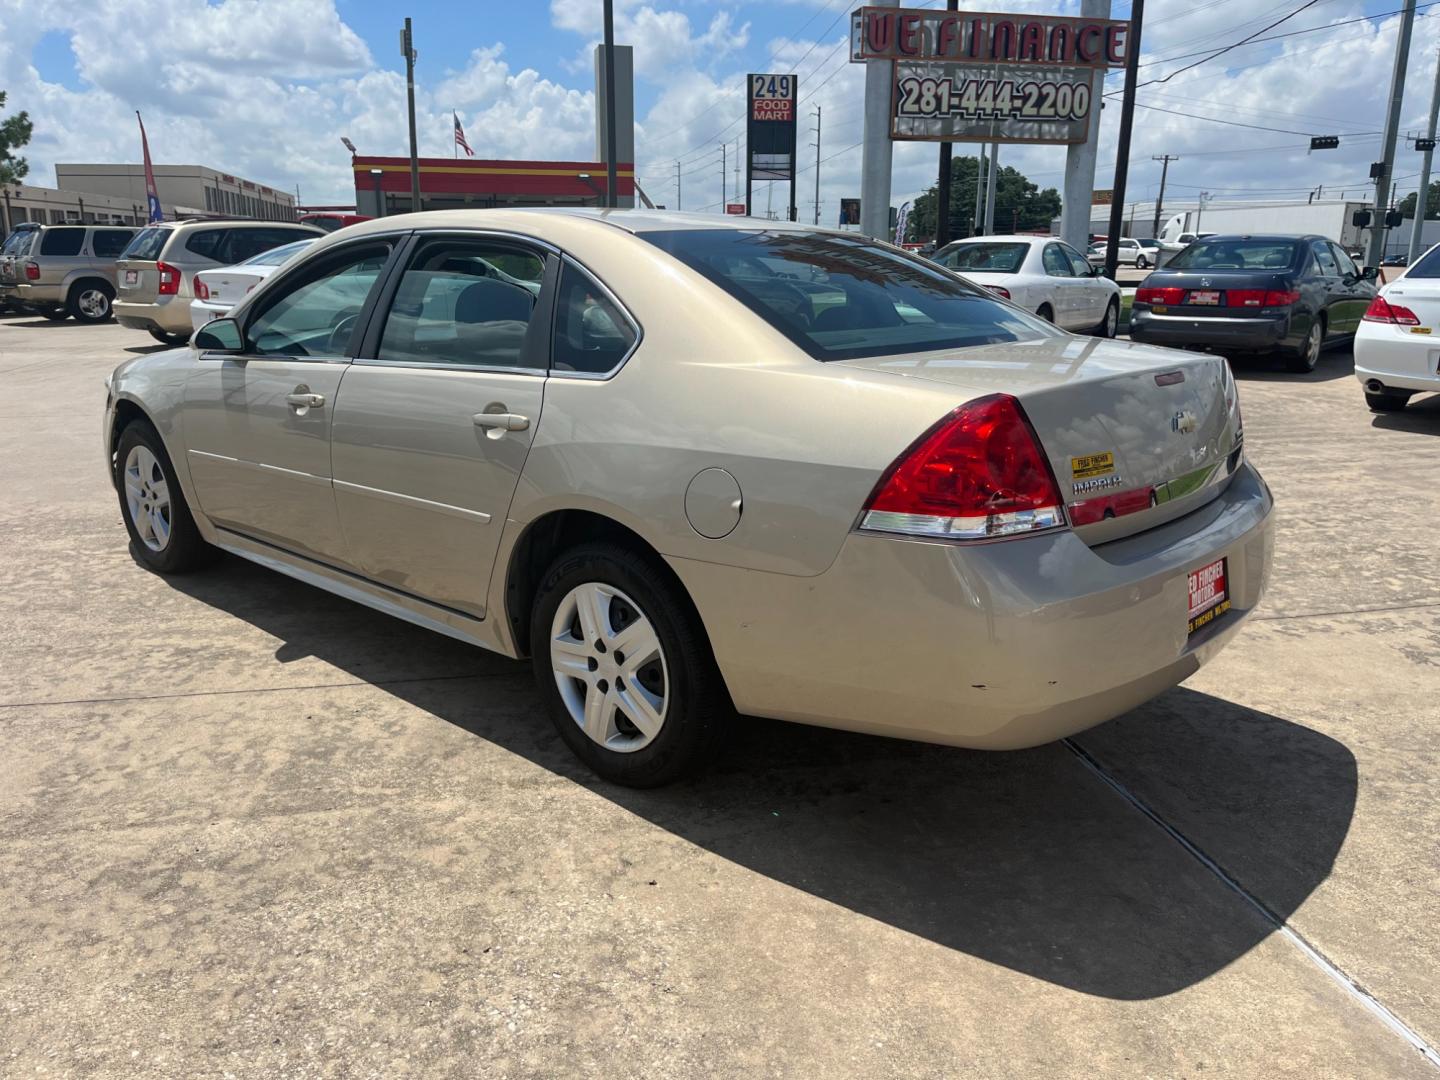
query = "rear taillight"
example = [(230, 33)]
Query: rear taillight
[(169, 279), (1281, 298), (999, 290), (202, 291), (32, 271), (977, 474), (1382, 311), (1254, 298), (1168, 295)]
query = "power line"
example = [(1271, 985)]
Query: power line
[(1235, 45)]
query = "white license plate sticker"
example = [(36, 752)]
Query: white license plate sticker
[(1209, 589), (1204, 296), (132, 277)]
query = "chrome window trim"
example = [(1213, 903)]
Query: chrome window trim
[(609, 293), (440, 365)]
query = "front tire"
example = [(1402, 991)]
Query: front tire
[(625, 668), (90, 301), (163, 535), (167, 338), (1046, 312), (1387, 401), (1141, 264), (1303, 360), (1110, 325)]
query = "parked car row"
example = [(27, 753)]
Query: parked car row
[(143, 277)]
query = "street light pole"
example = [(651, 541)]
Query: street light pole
[(817, 164), (611, 139), (407, 46)]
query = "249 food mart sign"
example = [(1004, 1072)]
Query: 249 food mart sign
[(989, 77)]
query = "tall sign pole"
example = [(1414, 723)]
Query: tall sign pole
[(770, 133), (1122, 150), (877, 150), (1392, 130), (1422, 200), (942, 185), (1079, 190), (611, 141), (407, 46)]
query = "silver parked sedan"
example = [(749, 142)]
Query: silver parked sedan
[(690, 466)]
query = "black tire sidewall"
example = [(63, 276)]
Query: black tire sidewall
[(697, 703), (187, 548), (72, 305)]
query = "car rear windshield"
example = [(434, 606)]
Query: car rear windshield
[(1427, 266), (840, 298), (997, 258), (1237, 254), (148, 243)]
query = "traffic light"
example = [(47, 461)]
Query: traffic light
[(1425, 145), (1393, 219), (1360, 219), (1324, 142)]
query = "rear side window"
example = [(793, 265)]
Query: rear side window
[(62, 241), (464, 302), (592, 335), (205, 243), (842, 297), (1328, 266), (147, 244), (1236, 254), (238, 245), (108, 243)]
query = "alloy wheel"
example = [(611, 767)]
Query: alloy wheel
[(1312, 345), (93, 304), (147, 496), (609, 667), (1112, 321)]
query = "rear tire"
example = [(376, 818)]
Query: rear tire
[(1303, 360), (1387, 400), (56, 314), (163, 534), (89, 302), (640, 721), (167, 338), (1110, 325)]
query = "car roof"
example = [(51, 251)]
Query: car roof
[(1004, 238), (1265, 237)]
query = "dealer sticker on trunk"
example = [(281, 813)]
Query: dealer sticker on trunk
[(1209, 595), (1092, 465)]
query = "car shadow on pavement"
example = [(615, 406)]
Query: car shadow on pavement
[(1334, 363), (1025, 859), (1422, 415)]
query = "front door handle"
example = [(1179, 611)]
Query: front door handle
[(305, 400), (507, 421)]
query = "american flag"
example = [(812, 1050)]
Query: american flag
[(460, 137)]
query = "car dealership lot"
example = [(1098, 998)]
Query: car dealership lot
[(254, 829)]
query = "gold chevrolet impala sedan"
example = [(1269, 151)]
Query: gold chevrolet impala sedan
[(691, 465)]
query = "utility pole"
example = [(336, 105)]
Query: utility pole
[(612, 137), (1160, 202), (678, 204), (942, 185), (1122, 150), (816, 144), (990, 189), (723, 171), (1200, 209), (979, 219), (1422, 199), (737, 168), (407, 46), (1392, 130)]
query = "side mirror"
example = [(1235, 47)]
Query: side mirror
[(219, 335), (1371, 273)]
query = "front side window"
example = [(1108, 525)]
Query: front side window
[(464, 301), (315, 313), (62, 241), (1056, 264), (1343, 260), (147, 244), (843, 297), (1236, 254), (109, 243), (591, 334), (986, 258)]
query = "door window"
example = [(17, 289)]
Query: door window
[(1056, 264), (108, 243), (205, 243), (465, 302), (1343, 260), (592, 335), (316, 311), (1078, 262), (1328, 266), (62, 241)]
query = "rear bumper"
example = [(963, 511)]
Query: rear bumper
[(1249, 334), (993, 646), (169, 315), (1396, 358), (202, 313), (32, 297)]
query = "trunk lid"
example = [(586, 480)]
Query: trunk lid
[(230, 284), (1218, 293), (1135, 435), (1420, 295), (137, 280)]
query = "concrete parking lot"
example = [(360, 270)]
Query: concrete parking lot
[(253, 830)]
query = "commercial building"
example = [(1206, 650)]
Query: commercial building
[(382, 184), (184, 190), (51, 206)]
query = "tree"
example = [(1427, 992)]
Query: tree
[(1432, 202), (1019, 204), (14, 133)]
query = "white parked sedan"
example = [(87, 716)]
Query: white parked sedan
[(1397, 348), (219, 290), (1042, 275)]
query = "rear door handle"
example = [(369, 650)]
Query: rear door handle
[(509, 421), (305, 401)]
